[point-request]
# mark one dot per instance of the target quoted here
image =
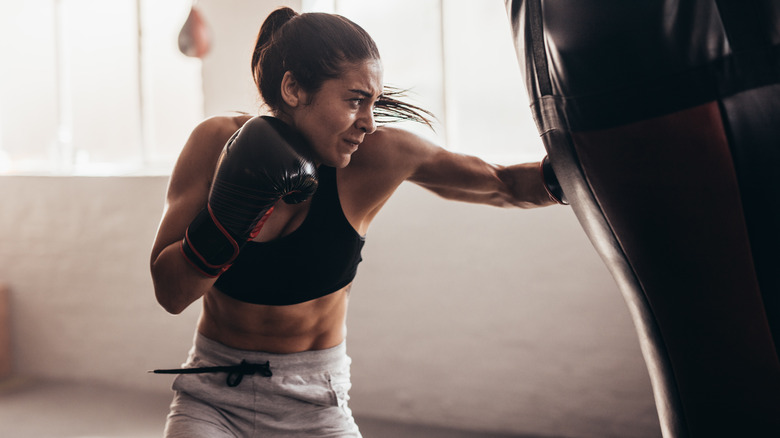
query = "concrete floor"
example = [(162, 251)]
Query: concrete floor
[(44, 409)]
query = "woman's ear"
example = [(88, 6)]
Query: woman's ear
[(292, 93)]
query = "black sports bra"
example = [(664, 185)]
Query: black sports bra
[(320, 257)]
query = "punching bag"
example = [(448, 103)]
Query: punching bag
[(195, 35), (662, 122)]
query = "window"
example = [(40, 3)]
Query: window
[(459, 61), (99, 87), (82, 86)]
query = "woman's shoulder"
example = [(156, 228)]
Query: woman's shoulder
[(394, 147), (209, 136), (384, 160), (221, 127), (198, 158), (386, 143), (390, 134)]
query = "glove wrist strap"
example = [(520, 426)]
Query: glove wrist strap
[(208, 246), (551, 184)]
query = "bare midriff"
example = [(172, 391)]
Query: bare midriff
[(314, 325)]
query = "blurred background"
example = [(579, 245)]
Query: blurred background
[(467, 317)]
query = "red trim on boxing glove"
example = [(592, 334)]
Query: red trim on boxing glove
[(197, 263), (208, 246), (260, 223)]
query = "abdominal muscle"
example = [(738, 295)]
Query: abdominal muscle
[(314, 325)]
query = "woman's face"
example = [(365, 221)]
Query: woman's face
[(337, 117)]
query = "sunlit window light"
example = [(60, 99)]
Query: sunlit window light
[(81, 94)]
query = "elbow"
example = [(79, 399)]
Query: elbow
[(170, 306), (176, 284), (164, 293), (166, 301)]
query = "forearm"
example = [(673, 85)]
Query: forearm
[(470, 179), (176, 283), (519, 185)]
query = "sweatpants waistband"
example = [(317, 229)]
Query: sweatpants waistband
[(281, 364)]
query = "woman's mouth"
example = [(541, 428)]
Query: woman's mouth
[(353, 143)]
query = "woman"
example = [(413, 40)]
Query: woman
[(274, 322)]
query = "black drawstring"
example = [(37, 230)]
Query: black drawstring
[(236, 373)]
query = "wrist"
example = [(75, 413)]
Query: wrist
[(208, 246)]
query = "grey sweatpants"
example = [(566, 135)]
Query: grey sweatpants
[(305, 397)]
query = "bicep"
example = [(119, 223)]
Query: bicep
[(188, 187), (176, 285), (178, 212)]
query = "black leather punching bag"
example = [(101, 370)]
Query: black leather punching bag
[(662, 122)]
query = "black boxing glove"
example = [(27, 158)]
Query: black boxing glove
[(260, 164), (551, 183)]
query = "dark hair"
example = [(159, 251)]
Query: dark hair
[(315, 47)]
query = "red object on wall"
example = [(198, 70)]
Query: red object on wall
[(195, 35)]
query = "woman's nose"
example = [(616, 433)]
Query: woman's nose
[(366, 122)]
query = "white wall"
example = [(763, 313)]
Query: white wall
[(489, 318), (461, 314), (75, 255)]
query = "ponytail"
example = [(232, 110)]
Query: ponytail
[(268, 66), (392, 108)]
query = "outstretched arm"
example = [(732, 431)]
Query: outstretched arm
[(469, 179), (464, 177)]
